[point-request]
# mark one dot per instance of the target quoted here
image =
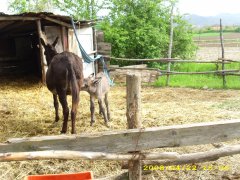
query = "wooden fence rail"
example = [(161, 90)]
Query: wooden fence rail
[(167, 72), (130, 140), (159, 158), (164, 60)]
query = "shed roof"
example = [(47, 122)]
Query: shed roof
[(26, 22)]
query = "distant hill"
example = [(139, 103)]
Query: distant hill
[(227, 19)]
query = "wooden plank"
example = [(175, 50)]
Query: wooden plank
[(103, 46), (132, 139), (100, 36)]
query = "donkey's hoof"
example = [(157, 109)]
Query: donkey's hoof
[(107, 124), (91, 123), (57, 119), (63, 132)]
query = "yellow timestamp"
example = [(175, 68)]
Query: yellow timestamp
[(187, 168)]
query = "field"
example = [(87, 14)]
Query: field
[(26, 109), (208, 52)]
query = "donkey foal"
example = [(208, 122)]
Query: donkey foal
[(98, 87)]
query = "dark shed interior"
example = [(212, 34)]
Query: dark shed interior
[(19, 41)]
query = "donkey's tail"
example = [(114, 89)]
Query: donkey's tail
[(73, 80)]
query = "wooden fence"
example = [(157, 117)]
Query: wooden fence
[(222, 61), (128, 144)]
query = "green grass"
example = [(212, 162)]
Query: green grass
[(200, 81)]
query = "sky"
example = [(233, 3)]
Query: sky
[(209, 7), (199, 7)]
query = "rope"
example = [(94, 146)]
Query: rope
[(88, 59)]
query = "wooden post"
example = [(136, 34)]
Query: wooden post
[(223, 56), (170, 45), (41, 51), (134, 119), (95, 48), (64, 38)]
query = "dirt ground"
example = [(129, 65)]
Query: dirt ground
[(26, 109)]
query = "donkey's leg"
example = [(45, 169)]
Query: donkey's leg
[(56, 105), (100, 101), (63, 100), (107, 106), (100, 112), (92, 109), (74, 113)]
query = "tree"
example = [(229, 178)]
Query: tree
[(140, 29), (80, 9), (21, 6)]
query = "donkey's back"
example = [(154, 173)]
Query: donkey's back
[(63, 67)]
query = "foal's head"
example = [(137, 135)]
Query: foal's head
[(50, 50)]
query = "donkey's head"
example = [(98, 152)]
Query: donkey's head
[(90, 84), (50, 50)]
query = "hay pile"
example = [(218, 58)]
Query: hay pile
[(26, 109)]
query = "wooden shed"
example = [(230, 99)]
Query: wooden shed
[(20, 50)]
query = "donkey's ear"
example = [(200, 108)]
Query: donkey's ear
[(55, 42), (97, 80), (42, 42)]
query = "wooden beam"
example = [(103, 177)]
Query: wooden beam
[(18, 18), (150, 60), (14, 27), (166, 60), (129, 140), (77, 155), (57, 21), (191, 158), (207, 72), (40, 34)]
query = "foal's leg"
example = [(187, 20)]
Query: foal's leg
[(56, 105), (92, 109), (100, 101), (107, 106), (63, 100)]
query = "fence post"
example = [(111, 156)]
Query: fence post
[(134, 119), (223, 56)]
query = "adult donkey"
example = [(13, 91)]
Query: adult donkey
[(64, 77)]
